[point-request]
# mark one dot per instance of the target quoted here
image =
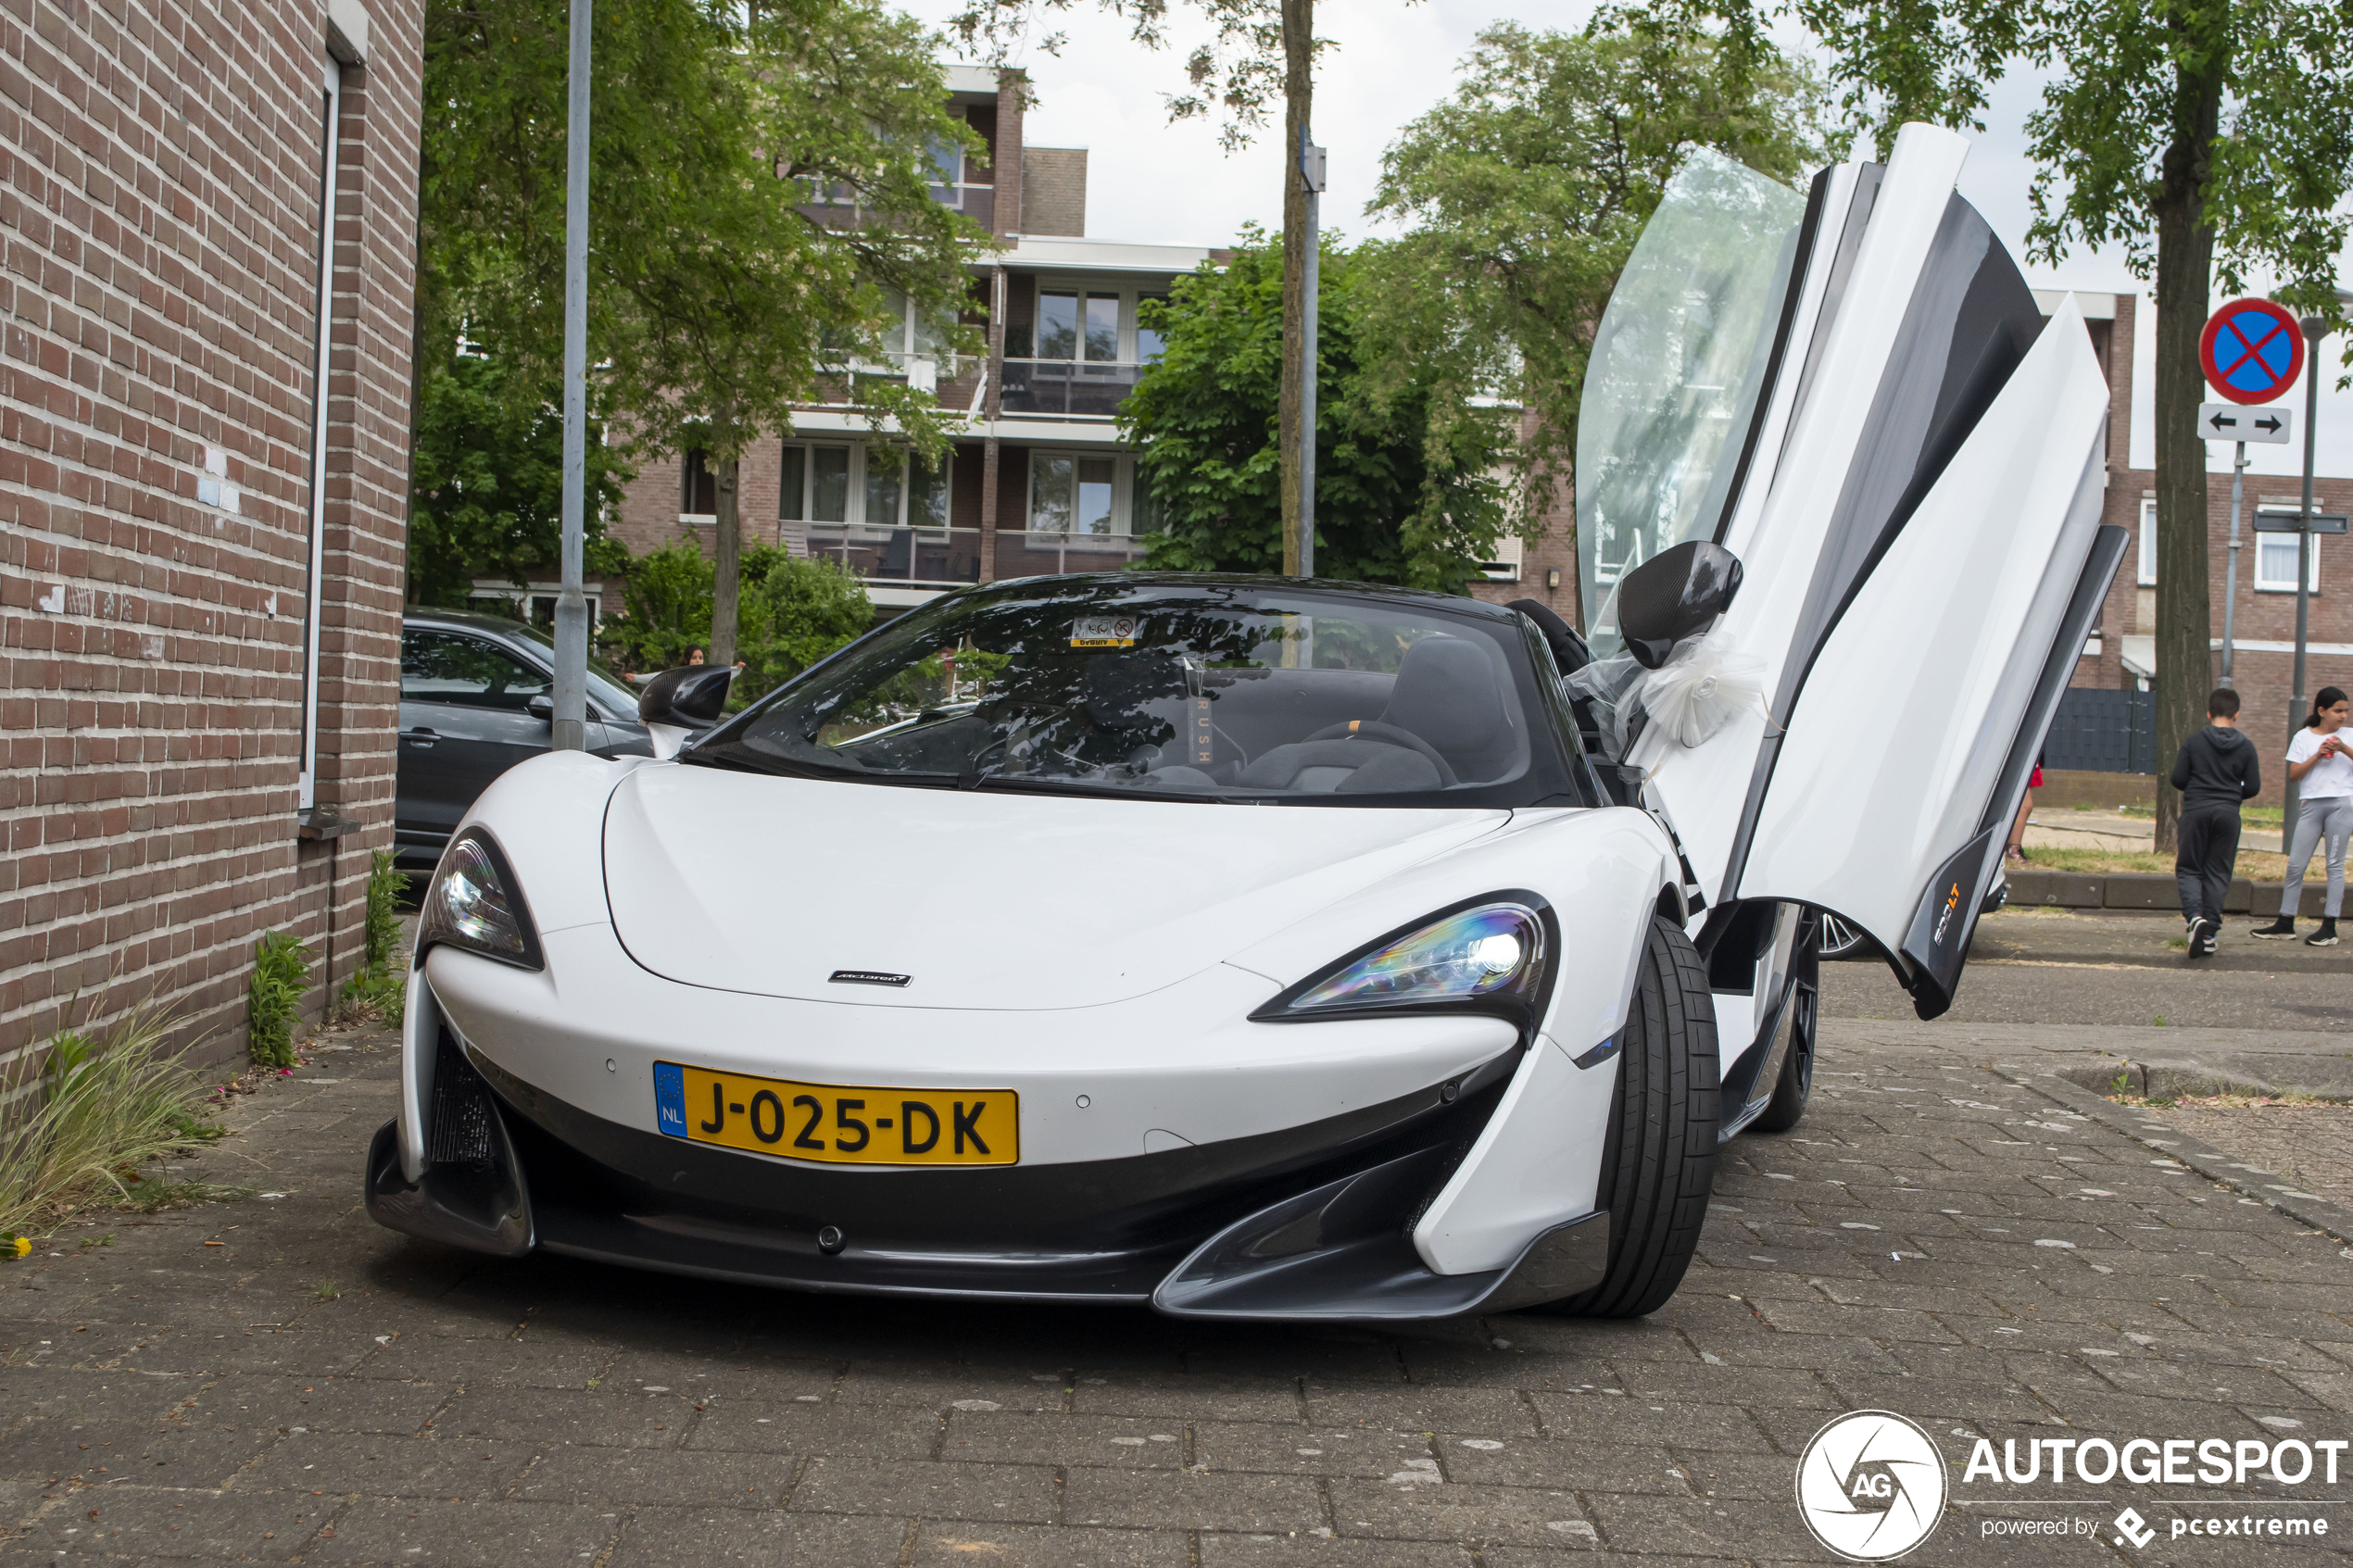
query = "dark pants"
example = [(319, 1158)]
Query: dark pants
[(2209, 848)]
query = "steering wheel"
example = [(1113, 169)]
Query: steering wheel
[(1373, 729)]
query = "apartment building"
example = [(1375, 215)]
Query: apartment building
[(210, 213), (1038, 480)]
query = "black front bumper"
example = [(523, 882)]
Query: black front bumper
[(1312, 1222)]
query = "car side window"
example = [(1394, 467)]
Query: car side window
[(447, 667)]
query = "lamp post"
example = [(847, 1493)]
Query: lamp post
[(571, 727), (2315, 328), (1311, 176)]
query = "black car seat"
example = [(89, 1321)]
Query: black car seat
[(1449, 692)]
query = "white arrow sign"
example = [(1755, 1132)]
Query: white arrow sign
[(2229, 421)]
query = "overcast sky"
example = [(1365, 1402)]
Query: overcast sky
[(1150, 181)]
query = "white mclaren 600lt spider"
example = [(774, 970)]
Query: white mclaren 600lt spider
[(1270, 948)]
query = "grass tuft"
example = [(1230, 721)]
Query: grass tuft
[(96, 1108)]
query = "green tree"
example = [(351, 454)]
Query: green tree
[(486, 481), (1404, 485), (807, 608), (760, 214), (1525, 192), (2199, 137)]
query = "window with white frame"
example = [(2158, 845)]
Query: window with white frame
[(2275, 564), (1088, 324), (2147, 572), (870, 484), (1098, 493)]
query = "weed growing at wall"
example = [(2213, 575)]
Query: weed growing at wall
[(280, 974), (380, 988), (98, 1105)]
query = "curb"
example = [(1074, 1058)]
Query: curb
[(2223, 1171), (2148, 890)]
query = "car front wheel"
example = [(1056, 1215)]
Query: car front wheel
[(1659, 1163)]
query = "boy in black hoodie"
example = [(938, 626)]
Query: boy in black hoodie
[(2215, 770)]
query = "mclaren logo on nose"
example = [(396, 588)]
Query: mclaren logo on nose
[(867, 977)]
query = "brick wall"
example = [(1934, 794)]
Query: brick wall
[(159, 185), (1053, 191)]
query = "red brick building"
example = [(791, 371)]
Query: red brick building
[(201, 556)]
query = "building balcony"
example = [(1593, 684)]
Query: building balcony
[(1038, 554), (940, 556), (1066, 389)]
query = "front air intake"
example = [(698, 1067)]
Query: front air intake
[(459, 1131)]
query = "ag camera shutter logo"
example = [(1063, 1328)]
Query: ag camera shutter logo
[(1872, 1485)]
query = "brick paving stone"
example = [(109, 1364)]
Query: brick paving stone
[(1157, 1499), (1315, 1551), (1292, 1449), (343, 1462), (1457, 1511), (83, 1395), (1179, 1395), (529, 1362), (668, 1537), (251, 1401), (666, 1477), (769, 1427), (1016, 1493), (954, 1544), (1007, 1437), (590, 1418), (58, 1448), (173, 1522), (463, 1534)]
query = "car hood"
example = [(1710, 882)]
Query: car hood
[(982, 899)]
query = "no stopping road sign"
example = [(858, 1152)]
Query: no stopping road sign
[(2251, 350)]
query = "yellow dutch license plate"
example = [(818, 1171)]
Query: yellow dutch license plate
[(838, 1123)]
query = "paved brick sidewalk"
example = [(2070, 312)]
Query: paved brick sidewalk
[(2308, 1144), (1932, 1240)]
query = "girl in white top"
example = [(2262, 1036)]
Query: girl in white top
[(2322, 762)]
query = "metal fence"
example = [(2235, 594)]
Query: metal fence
[(2102, 731)]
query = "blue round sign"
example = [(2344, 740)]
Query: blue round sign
[(2251, 351)]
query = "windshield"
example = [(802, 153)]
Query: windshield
[(1196, 688), (1675, 372)]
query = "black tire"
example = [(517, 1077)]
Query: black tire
[(1659, 1163), (1796, 1082)]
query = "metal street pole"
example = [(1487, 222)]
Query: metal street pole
[(571, 605), (1311, 174), (2315, 328), (2230, 573)]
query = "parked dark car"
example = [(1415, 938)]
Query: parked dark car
[(477, 696)]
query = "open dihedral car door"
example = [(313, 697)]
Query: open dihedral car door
[(1908, 460)]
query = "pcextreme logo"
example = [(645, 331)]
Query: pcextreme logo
[(1870, 1485)]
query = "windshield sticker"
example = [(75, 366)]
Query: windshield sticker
[(1103, 631), (1204, 752)]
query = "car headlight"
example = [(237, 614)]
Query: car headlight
[(475, 903), (1491, 956)]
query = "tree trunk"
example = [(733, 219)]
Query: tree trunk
[(2185, 278), (727, 566), (1298, 92)]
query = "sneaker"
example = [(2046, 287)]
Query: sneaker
[(2284, 926), (2202, 935), (2324, 937)]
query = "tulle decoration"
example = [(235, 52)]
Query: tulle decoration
[(1700, 687)]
